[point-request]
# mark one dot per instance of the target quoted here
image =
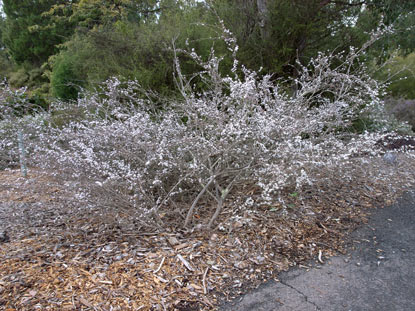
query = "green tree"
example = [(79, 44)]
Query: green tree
[(27, 34), (274, 34), (5, 64), (91, 14), (402, 15)]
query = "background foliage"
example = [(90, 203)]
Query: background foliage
[(57, 48)]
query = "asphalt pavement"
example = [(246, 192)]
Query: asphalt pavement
[(378, 272)]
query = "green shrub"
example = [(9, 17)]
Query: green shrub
[(64, 80), (401, 72), (19, 78), (133, 51), (5, 64)]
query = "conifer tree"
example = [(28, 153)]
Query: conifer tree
[(28, 34)]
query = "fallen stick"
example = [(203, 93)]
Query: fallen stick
[(319, 256), (205, 289), (161, 264), (185, 262)]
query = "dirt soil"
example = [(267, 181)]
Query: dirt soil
[(64, 254)]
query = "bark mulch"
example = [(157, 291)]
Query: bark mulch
[(63, 255)]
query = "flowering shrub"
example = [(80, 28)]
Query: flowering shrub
[(9, 129), (12, 102), (181, 154), (15, 115)]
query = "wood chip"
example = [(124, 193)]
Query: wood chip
[(181, 246), (173, 241), (86, 303), (105, 282)]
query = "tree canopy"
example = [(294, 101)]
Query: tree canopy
[(27, 32)]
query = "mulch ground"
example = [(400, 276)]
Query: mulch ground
[(63, 255)]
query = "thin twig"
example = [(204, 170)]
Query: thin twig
[(319, 256), (159, 267), (185, 262), (205, 289)]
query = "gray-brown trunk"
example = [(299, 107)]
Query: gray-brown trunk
[(263, 14)]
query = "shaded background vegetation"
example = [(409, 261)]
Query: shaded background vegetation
[(57, 47)]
